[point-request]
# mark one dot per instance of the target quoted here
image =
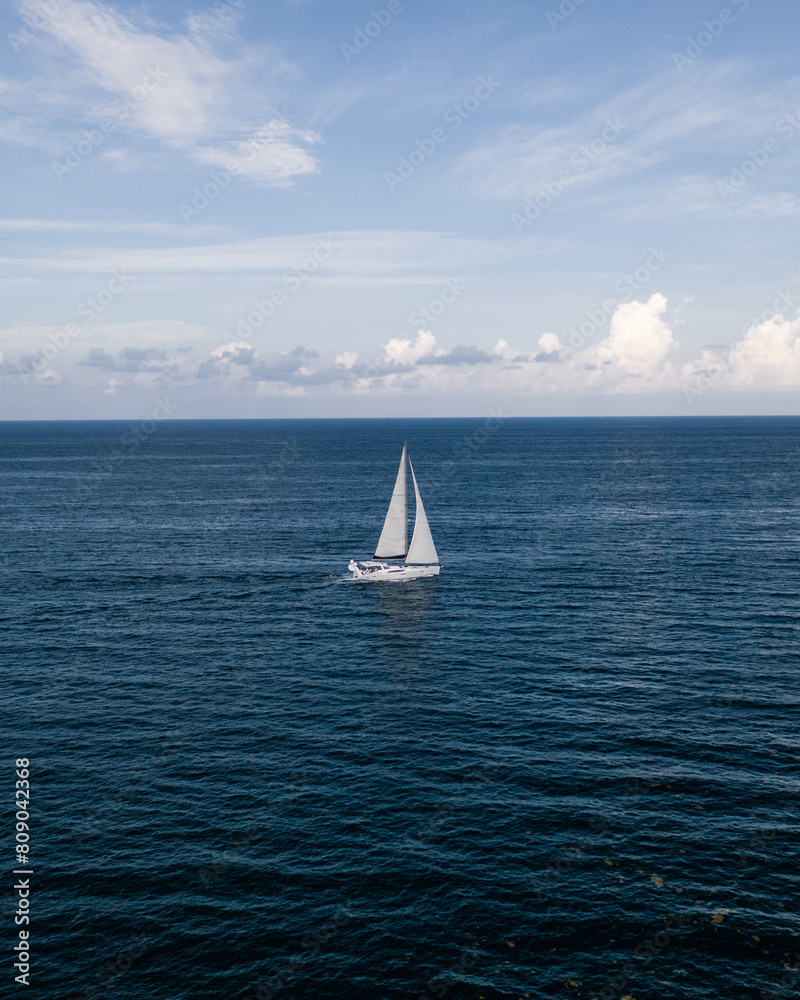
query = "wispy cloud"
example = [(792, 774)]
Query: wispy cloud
[(175, 89), (369, 256), (667, 120), (103, 225)]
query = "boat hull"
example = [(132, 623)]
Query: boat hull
[(377, 572)]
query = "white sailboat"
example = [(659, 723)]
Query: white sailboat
[(420, 557)]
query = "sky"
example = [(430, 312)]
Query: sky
[(394, 208)]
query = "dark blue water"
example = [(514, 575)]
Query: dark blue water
[(566, 768)]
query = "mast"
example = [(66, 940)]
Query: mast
[(393, 543)]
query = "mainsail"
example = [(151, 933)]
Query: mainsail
[(422, 549), (393, 542)]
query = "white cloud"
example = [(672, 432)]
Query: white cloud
[(174, 89), (549, 342), (769, 353), (232, 352), (230, 360), (180, 75), (402, 352), (346, 359), (767, 357), (271, 154), (779, 204), (639, 340), (635, 357), (632, 358), (106, 226), (361, 256)]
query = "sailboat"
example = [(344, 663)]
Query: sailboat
[(420, 557)]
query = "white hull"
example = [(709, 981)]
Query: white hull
[(374, 571)]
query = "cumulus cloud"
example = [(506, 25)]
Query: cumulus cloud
[(768, 354), (640, 339), (238, 352), (346, 359), (220, 360), (550, 343), (767, 358), (240, 361), (635, 356), (407, 352)]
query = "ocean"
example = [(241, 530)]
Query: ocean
[(568, 767)]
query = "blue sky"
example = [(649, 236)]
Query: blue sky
[(451, 208)]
